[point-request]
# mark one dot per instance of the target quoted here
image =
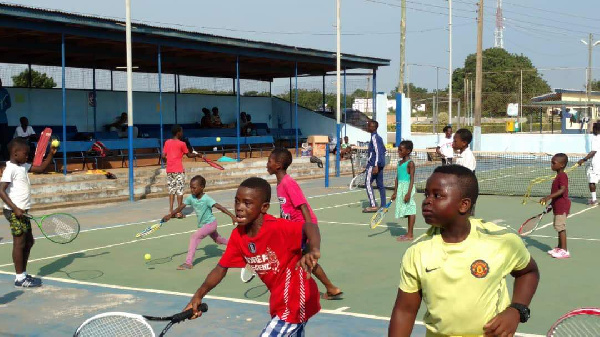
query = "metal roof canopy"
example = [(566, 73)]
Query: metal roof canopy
[(33, 36)]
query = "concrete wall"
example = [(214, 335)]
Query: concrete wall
[(501, 142), (44, 106)]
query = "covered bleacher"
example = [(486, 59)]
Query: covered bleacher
[(39, 37)]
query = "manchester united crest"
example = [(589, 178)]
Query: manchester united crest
[(480, 268)]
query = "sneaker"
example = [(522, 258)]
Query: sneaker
[(28, 282), (34, 279), (553, 250), (561, 254), (592, 202)]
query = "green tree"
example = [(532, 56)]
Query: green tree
[(595, 85), (501, 80), (38, 80), (206, 91)]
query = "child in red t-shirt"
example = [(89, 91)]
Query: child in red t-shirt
[(173, 152), (273, 247), (295, 207), (561, 205)]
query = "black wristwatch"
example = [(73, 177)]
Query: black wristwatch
[(523, 310)]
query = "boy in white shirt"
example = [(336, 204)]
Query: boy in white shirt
[(593, 171), (465, 157), (444, 147), (25, 130), (15, 192)]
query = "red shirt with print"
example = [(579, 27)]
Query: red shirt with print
[(273, 254), (562, 203)]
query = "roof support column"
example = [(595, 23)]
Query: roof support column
[(64, 103), (374, 100), (94, 99), (176, 90), (238, 104), (296, 108), (160, 106)]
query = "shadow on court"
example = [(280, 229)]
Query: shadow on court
[(256, 292), (11, 296), (393, 228), (60, 264)]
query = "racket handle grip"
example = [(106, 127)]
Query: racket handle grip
[(182, 316)]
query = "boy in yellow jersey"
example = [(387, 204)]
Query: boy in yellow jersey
[(459, 267)]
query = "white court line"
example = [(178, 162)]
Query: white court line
[(110, 246), (41, 237), (361, 224), (340, 311), (570, 215)]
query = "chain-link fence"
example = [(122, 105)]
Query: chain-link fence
[(17, 75)]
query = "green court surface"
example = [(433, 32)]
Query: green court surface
[(363, 262)]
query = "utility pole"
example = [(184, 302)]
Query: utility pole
[(478, 79), (521, 97), (450, 62), (338, 94), (402, 46), (590, 45)]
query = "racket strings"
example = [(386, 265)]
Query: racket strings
[(61, 228), (580, 325), (115, 325)]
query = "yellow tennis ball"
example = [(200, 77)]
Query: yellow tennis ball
[(55, 143), (147, 256), (218, 139)]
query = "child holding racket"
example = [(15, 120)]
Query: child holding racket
[(561, 204), (295, 207), (15, 192), (207, 223), (173, 152), (405, 187), (458, 267), (273, 247)]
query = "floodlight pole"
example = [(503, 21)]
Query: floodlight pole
[(478, 80), (129, 95), (338, 71), (591, 46)]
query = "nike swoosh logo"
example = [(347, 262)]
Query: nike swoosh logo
[(427, 270)]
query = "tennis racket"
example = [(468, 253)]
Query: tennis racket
[(57, 227), (149, 230), (212, 163), (531, 224), (42, 145), (125, 324), (357, 181), (247, 274), (379, 215), (579, 322)]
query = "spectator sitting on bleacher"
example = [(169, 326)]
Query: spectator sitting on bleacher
[(120, 126), (216, 119), (25, 130), (248, 128), (206, 122), (346, 150)]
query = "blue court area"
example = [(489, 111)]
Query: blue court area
[(226, 316)]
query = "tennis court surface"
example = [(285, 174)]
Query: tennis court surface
[(104, 268)]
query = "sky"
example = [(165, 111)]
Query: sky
[(547, 31)]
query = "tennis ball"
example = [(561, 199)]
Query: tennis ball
[(55, 143), (218, 139), (147, 256)]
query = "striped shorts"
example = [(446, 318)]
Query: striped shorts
[(280, 328)]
